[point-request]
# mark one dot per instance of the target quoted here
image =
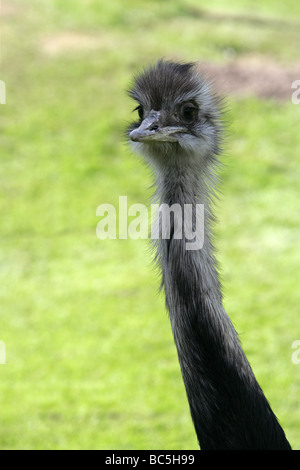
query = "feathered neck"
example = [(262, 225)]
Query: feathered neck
[(227, 405)]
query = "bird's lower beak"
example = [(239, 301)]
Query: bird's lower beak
[(150, 129)]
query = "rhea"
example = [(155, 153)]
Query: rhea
[(179, 132)]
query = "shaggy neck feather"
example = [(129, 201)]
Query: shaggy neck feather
[(227, 405)]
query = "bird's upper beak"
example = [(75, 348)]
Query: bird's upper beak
[(151, 129)]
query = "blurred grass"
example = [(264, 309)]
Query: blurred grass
[(90, 355)]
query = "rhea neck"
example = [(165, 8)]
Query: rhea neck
[(228, 407)]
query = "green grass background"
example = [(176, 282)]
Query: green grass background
[(90, 357)]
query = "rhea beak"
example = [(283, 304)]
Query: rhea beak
[(151, 129)]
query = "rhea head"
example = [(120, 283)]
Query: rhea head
[(178, 115)]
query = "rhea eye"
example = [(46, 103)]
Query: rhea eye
[(188, 112), (140, 111)]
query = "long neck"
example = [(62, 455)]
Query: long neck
[(228, 408)]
